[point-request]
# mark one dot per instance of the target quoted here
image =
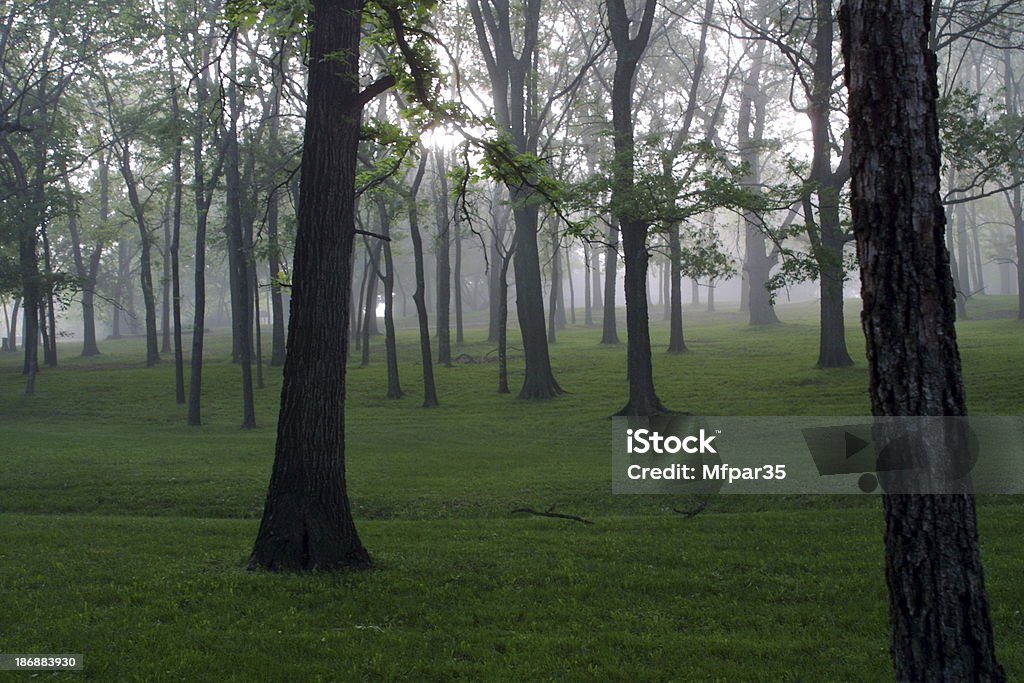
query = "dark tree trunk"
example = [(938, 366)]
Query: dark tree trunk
[(832, 351), (540, 379), (388, 276), (506, 260), (49, 319), (120, 281), (277, 345), (460, 336), (175, 245), (444, 271), (676, 343), (241, 321), (12, 326), (357, 302), (179, 348), (829, 239), (510, 76), (165, 300), (588, 311), (418, 297), (554, 293), (307, 521), (609, 328), (500, 216), (145, 256), (203, 191), (643, 399), (941, 630), (572, 289)]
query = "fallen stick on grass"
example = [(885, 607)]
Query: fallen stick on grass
[(694, 512), (551, 514)]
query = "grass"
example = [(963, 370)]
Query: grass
[(124, 533)]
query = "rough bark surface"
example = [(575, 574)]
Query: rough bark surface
[(307, 521), (941, 630)]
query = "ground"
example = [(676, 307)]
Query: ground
[(124, 533)]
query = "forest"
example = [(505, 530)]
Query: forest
[(322, 319)]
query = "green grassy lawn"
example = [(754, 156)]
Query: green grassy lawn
[(124, 533)]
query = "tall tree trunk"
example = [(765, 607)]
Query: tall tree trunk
[(941, 629), (460, 336), (588, 311), (307, 520), (388, 276), (676, 343), (242, 300), (643, 399), (121, 284), (179, 349), (418, 297), (175, 245), (203, 191), (165, 301), (572, 290), (609, 326), (554, 293), (511, 85), (829, 238), (758, 262), (277, 344), (444, 272), (506, 260), (49, 316), (145, 255), (499, 214), (595, 278)]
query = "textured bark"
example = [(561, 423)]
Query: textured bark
[(307, 521), (941, 630)]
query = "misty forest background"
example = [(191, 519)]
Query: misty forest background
[(537, 183)]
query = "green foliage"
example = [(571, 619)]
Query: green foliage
[(976, 143)]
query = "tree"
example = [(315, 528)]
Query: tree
[(307, 519), (643, 400), (941, 630), (510, 76)]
